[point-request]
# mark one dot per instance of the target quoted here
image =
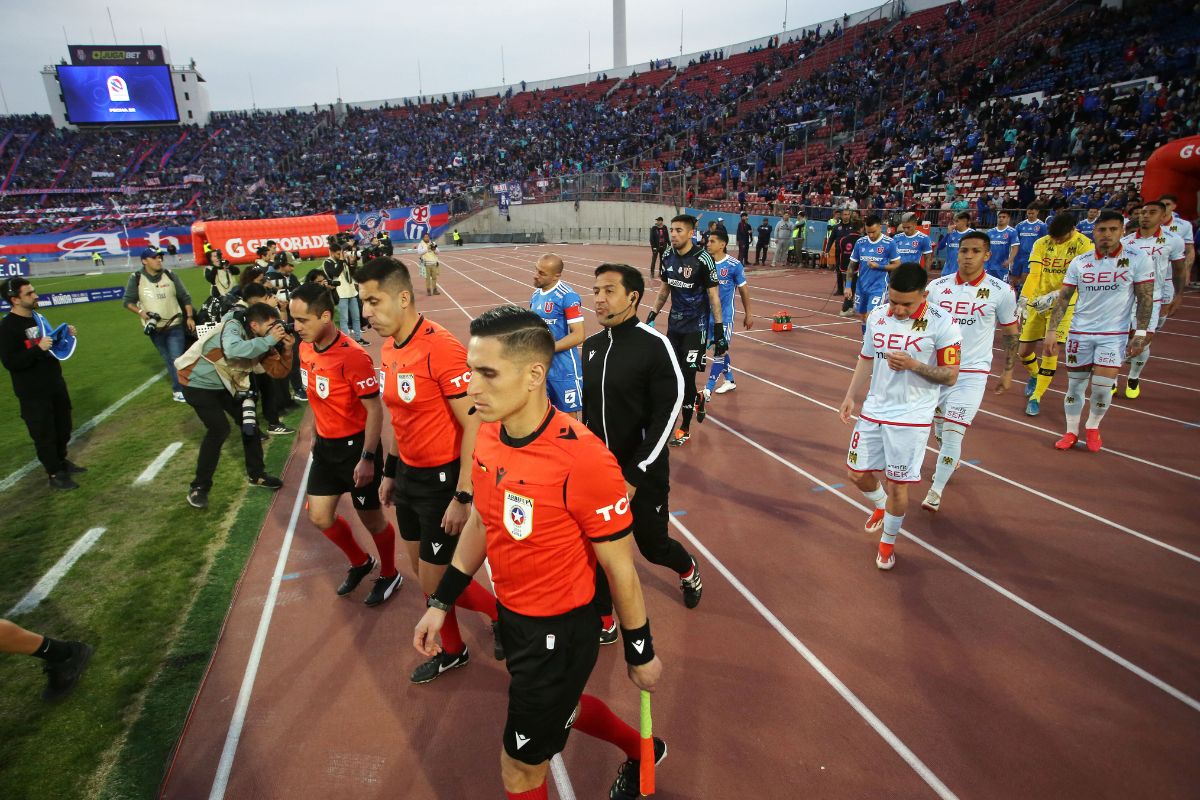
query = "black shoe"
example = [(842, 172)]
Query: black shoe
[(382, 590), (692, 587), (62, 677), (609, 635), (354, 577), (628, 785), (497, 645), (701, 402), (279, 429), (73, 468), (198, 498), (440, 663), (266, 481), (61, 480)]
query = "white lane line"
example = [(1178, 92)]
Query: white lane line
[(42, 589), (893, 741), (21, 472), (238, 720), (155, 466), (1045, 616)]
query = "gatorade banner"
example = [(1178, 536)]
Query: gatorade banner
[(75, 246)]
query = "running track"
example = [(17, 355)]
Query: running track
[(1038, 638)]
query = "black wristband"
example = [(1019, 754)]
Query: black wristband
[(453, 583), (639, 645), (390, 464)]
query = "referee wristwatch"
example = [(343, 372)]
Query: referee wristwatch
[(433, 602), (464, 497)]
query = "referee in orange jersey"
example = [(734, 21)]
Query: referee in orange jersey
[(340, 379), (549, 504), (423, 378)]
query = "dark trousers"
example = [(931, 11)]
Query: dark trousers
[(269, 399), (655, 258), (760, 251), (841, 280), (650, 513), (47, 415), (214, 407), (743, 252)]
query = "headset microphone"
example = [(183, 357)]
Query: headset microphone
[(628, 306)]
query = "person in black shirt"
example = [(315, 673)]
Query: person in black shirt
[(38, 381), (632, 390), (843, 248), (690, 281), (658, 243), (744, 234), (764, 242)]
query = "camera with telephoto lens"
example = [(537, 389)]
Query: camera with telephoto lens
[(249, 417), (152, 324)]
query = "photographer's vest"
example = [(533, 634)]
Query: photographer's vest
[(345, 288), (429, 259), (233, 372), (159, 298), (223, 281)]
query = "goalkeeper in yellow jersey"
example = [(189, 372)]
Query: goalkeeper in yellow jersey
[(1047, 266)]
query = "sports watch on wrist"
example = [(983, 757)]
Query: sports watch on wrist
[(433, 602), (464, 497), (367, 455)]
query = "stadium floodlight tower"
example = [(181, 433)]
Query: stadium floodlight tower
[(620, 57)]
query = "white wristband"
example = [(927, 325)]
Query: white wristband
[(1140, 333)]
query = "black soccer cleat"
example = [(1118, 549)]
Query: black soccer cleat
[(692, 587), (62, 480), (442, 662), (197, 497), (497, 645), (266, 481), (62, 677), (354, 577), (628, 785), (609, 635), (383, 589)]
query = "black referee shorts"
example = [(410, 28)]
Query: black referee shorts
[(421, 496), (689, 349), (550, 660), (332, 473)]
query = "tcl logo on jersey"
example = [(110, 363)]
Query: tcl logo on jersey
[(896, 341), (367, 384), (620, 508), (462, 380)]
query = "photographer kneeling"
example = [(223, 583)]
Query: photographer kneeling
[(215, 373), (282, 278)]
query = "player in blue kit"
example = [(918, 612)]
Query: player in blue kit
[(731, 275), (559, 305), (873, 258), (950, 239), (1005, 244), (913, 245), (1087, 225), (1029, 230)]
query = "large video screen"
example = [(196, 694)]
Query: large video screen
[(118, 95)]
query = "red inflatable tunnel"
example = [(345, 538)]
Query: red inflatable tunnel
[(238, 239), (1174, 169)]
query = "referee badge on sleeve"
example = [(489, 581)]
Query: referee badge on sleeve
[(304, 377), (382, 380), (518, 515)]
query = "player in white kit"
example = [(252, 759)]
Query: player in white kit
[(1109, 279), (978, 303), (911, 348), (1181, 228), (1167, 252)]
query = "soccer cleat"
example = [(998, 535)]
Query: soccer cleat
[(609, 635), (72, 468), (1066, 442), (701, 404), (354, 577), (1092, 439), (932, 502), (1133, 388), (628, 785), (266, 481), (727, 386), (497, 645), (62, 677), (885, 557), (178, 397), (198, 498), (279, 429), (1030, 385), (383, 589), (301, 396), (692, 587), (440, 663), (874, 525), (1113, 392), (1033, 407), (62, 480), (680, 437)]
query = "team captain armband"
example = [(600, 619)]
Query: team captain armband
[(950, 356), (639, 645)]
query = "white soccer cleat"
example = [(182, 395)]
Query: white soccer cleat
[(727, 386), (932, 502), (885, 565), (708, 394)]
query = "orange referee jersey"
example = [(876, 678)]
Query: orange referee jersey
[(418, 377), (337, 379), (543, 499)]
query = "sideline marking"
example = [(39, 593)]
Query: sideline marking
[(46, 585), (155, 466)]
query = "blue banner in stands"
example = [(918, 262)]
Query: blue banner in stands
[(74, 298), (77, 246)]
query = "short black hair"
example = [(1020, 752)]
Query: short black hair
[(262, 250), (13, 286), (1062, 224), (318, 298), (254, 291), (315, 274), (272, 243), (909, 277), (631, 278), (872, 220), (261, 312), (1158, 203), (963, 215), (987, 243), (520, 331), (389, 272), (686, 219), (1171, 197), (1109, 215), (719, 234)]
